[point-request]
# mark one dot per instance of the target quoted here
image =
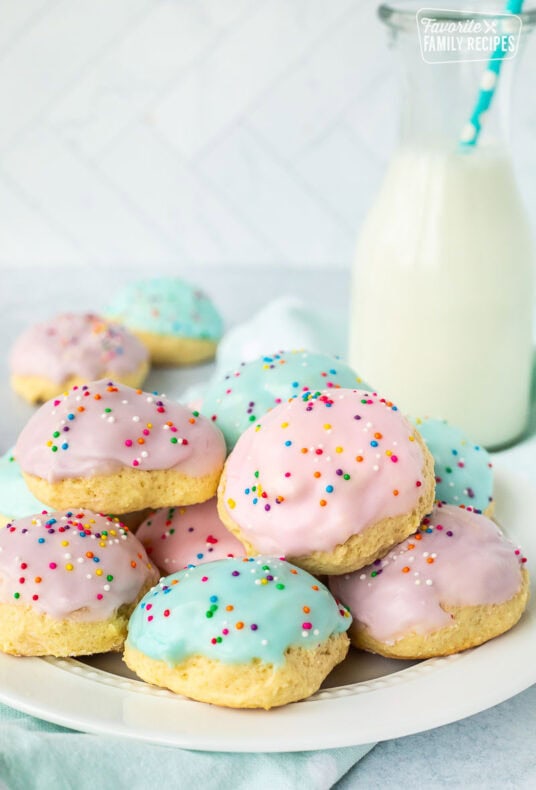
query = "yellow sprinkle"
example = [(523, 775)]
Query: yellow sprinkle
[(284, 424), (412, 438), (264, 581), (113, 532), (102, 543), (388, 453), (65, 543), (338, 449), (231, 503), (68, 567), (149, 425), (257, 428), (49, 444), (98, 572), (327, 427)]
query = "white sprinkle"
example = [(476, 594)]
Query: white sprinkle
[(362, 576), (417, 581), (305, 634), (144, 454), (429, 582), (375, 468), (88, 576), (106, 587), (67, 556), (111, 418), (264, 642), (135, 419)]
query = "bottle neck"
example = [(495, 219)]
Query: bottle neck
[(437, 99)]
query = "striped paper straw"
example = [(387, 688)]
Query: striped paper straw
[(488, 86)]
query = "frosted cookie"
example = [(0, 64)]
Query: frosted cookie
[(236, 400), (117, 450), (453, 585), (177, 537), (68, 583), (176, 321), (241, 633), (463, 470), (16, 500), (330, 480), (52, 356)]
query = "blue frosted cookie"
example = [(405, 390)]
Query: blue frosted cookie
[(236, 400), (244, 633), (16, 500), (463, 470), (175, 319)]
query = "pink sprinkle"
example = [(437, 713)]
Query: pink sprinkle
[(185, 441), (149, 618), (135, 463), (204, 579), (128, 442), (145, 432), (99, 597), (149, 606), (57, 402), (225, 631), (394, 458), (307, 626), (52, 565)]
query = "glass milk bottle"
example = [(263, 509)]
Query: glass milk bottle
[(442, 285)]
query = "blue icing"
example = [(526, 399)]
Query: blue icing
[(237, 400), (16, 501), (167, 306), (234, 611), (463, 470)]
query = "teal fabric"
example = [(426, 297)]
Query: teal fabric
[(36, 755)]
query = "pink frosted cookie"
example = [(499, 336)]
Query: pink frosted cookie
[(72, 348), (116, 450), (69, 581), (454, 584), (179, 537), (331, 480)]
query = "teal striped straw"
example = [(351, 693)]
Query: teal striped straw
[(488, 86)]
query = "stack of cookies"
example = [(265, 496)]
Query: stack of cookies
[(295, 470)]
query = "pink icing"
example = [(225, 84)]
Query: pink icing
[(72, 562), (177, 537), (101, 427), (320, 468), (74, 344), (458, 558)]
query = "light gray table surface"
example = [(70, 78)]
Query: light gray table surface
[(493, 749)]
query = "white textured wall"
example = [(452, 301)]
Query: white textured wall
[(196, 131)]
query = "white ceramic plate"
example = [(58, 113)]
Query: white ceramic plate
[(366, 699)]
